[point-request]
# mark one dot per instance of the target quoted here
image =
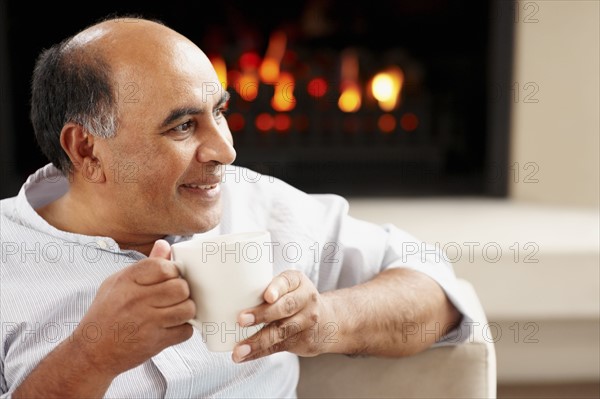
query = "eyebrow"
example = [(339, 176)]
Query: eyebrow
[(178, 113)]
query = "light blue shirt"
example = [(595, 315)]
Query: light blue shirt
[(49, 277)]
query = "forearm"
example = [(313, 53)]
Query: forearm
[(65, 373), (398, 313)]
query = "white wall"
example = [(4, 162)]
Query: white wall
[(555, 131)]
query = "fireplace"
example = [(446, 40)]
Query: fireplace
[(393, 98)]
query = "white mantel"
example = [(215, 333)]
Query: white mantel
[(553, 296)]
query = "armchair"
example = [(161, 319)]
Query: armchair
[(464, 370)]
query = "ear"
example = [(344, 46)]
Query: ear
[(79, 146)]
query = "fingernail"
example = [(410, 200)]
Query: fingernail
[(242, 351), (274, 295), (247, 319)]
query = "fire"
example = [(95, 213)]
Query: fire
[(270, 66), (219, 64), (386, 87), (350, 98), (247, 85), (283, 99)]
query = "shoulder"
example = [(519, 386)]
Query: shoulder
[(252, 185), (272, 203), (7, 210)]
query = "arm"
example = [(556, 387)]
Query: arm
[(147, 297), (398, 313)]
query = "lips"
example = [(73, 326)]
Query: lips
[(206, 189)]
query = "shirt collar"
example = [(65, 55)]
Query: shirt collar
[(48, 184)]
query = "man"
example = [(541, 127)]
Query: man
[(128, 114)]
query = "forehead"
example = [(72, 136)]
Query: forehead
[(166, 77)]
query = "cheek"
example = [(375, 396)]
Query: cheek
[(161, 170), (151, 164)]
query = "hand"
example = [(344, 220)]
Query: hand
[(293, 312), (136, 313)]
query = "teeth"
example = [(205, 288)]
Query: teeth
[(207, 187)]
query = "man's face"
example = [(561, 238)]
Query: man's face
[(162, 168)]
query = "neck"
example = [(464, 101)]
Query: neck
[(73, 213)]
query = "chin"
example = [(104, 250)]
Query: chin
[(203, 224)]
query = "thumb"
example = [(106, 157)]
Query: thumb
[(161, 249)]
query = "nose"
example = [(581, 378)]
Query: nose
[(217, 146)]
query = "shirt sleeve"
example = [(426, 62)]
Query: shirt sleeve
[(353, 251)]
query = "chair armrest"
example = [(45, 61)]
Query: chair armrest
[(463, 370)]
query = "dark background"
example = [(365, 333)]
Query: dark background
[(465, 49)]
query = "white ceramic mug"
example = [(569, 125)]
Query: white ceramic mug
[(226, 274)]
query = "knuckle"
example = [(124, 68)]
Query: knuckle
[(288, 329), (314, 297), (290, 305), (277, 347), (282, 332)]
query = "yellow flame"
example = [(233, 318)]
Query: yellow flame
[(386, 87), (350, 99), (269, 68), (283, 98), (221, 69)]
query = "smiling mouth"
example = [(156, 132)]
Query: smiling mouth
[(204, 187)]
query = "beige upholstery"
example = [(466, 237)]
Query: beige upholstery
[(465, 370)]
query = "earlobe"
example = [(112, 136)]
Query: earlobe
[(79, 147)]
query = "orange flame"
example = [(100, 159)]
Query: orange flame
[(269, 68), (283, 98), (350, 98), (218, 64)]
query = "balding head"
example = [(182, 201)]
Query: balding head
[(127, 38), (81, 79)]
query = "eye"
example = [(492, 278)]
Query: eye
[(220, 112), (184, 128)]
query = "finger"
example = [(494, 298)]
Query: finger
[(283, 283), (273, 334), (154, 270), (161, 249), (245, 351), (168, 293), (287, 306), (176, 315)]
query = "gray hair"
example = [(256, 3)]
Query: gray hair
[(71, 84)]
